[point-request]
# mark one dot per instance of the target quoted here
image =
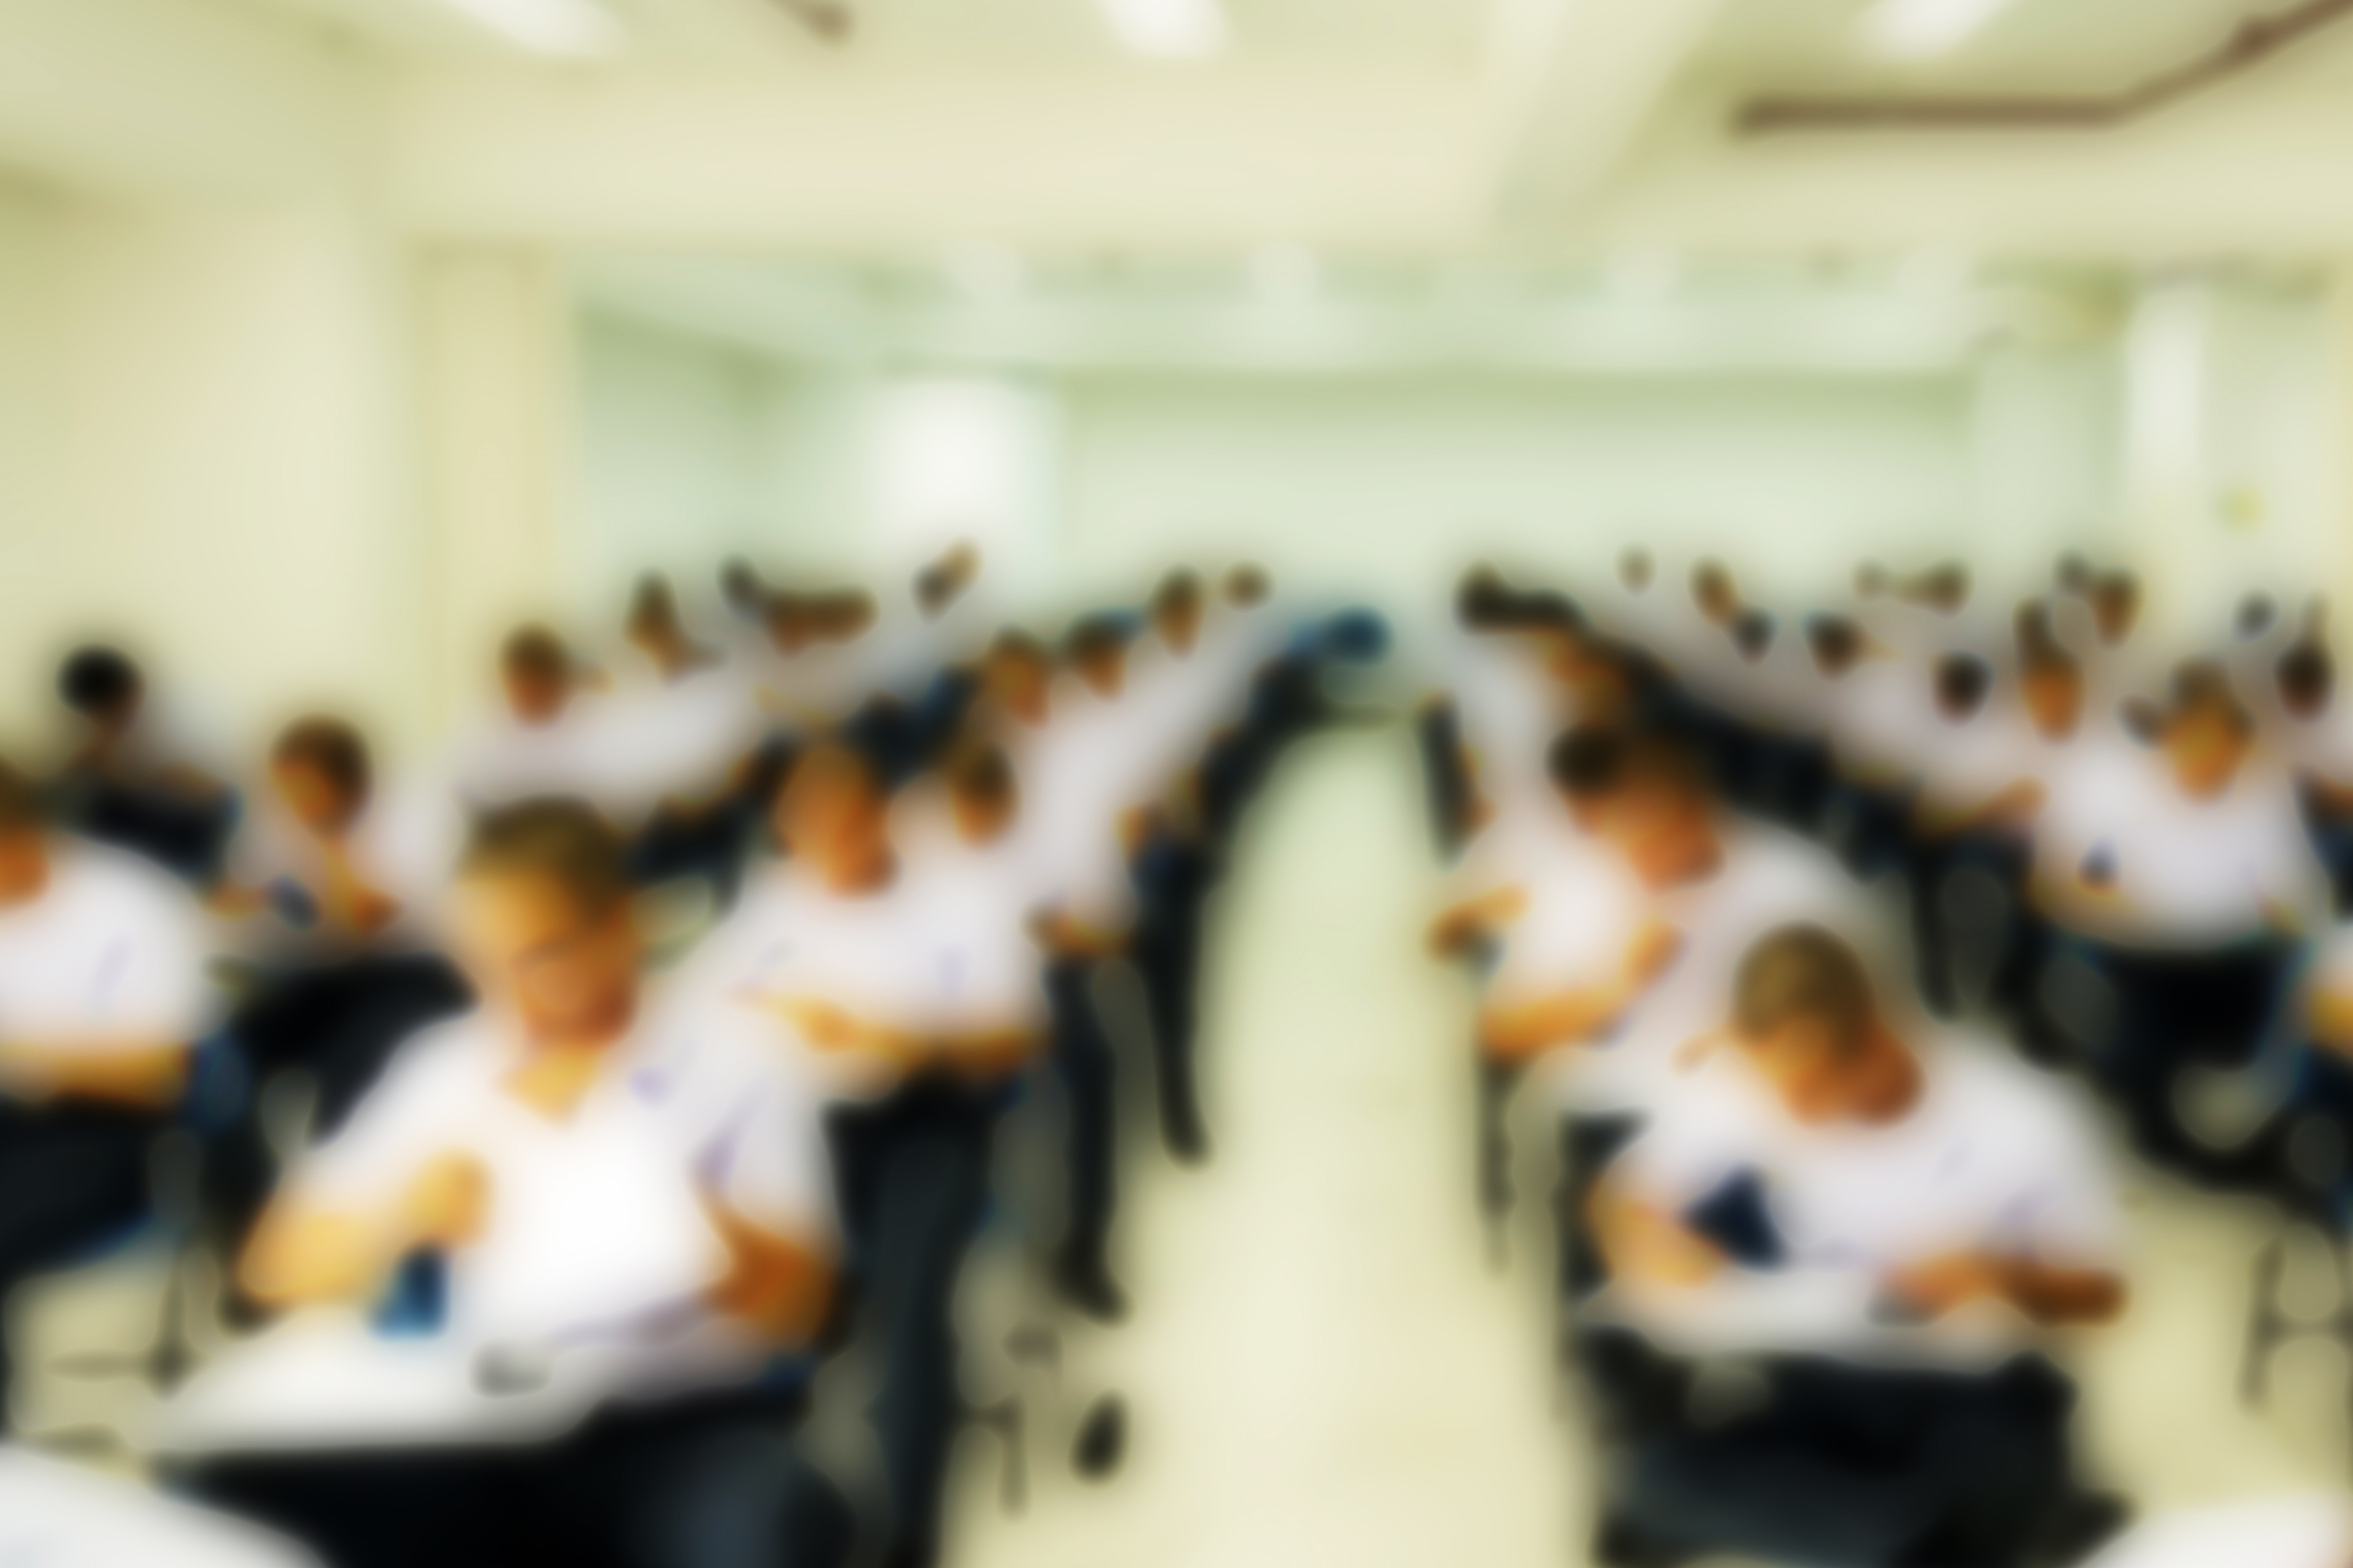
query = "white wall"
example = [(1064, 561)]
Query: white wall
[(1392, 486)]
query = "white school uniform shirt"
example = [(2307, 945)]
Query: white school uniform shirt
[(1582, 906), (170, 731), (595, 1228), (1879, 711), (979, 900), (1780, 688), (1078, 774), (406, 845), (1994, 1156), (111, 950), (1966, 762), (1767, 877), (589, 751), (2184, 873), (1509, 710)]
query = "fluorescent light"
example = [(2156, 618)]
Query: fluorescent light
[(1175, 28), (550, 26), (1915, 29)]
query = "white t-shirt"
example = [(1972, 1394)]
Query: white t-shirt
[(595, 1222), (112, 950), (1767, 877), (1880, 711), (1966, 763), (1510, 712), (2178, 872), (1582, 906), (406, 846), (589, 751), (1995, 1156)]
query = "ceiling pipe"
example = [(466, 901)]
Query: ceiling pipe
[(2255, 40)]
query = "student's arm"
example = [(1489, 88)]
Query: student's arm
[(1065, 935), (2053, 1295), (1644, 1245), (2016, 804), (828, 1027), (1527, 1029), (2328, 1017), (306, 1251), (778, 1285), (1457, 928), (141, 1073)]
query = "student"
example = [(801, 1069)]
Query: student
[(1824, 1143), (102, 988), (915, 977), (141, 775), (548, 736), (342, 879), (591, 1174), (2182, 881)]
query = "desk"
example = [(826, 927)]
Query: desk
[(325, 1379), (1805, 1312)]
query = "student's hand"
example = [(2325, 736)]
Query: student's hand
[(234, 900), (449, 1203), (1939, 1285), (27, 1073), (820, 1022), (2328, 1020), (1655, 947)]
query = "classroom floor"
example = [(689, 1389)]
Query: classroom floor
[(1321, 1367)]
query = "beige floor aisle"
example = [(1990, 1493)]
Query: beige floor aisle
[(1320, 1368)]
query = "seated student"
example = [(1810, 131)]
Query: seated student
[(102, 991), (343, 878), (2181, 881), (917, 975), (1872, 690), (141, 775), (547, 736), (1822, 1144), (2293, 690), (588, 1174)]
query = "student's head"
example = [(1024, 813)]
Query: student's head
[(2075, 573), (1096, 650), (2116, 605), (939, 583), (1963, 682), (2305, 674), (741, 589), (542, 922), (319, 768), (2050, 680), (2255, 616), (101, 685), (1836, 643), (832, 814), (843, 615), (1483, 602), (1715, 592), (1944, 587), (1246, 585), (1177, 606), (1752, 633), (653, 624), (1640, 792), (790, 621), (1635, 569), (1871, 580), (982, 794), (2206, 732), (1804, 1019), (1016, 672), (535, 668), (24, 838)]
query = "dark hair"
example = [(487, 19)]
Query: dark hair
[(2255, 615), (1550, 610), (1944, 587), (1836, 642), (97, 679), (843, 615), (740, 586), (1013, 642), (980, 770), (1711, 577), (1092, 637), (332, 747), (1483, 600), (1636, 567), (24, 806), (1588, 761), (1801, 970), (537, 651), (1752, 633), (2117, 594), (1247, 583), (651, 602), (1963, 680), (1180, 590), (2201, 685), (2307, 674), (564, 840), (2075, 573)]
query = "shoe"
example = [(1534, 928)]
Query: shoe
[(1187, 1140), (1085, 1282), (1103, 1439), (2078, 1526)]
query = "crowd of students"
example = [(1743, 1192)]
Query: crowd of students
[(1836, 939), (448, 1064)]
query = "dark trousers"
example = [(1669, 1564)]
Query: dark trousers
[(1174, 878), (340, 1022), (1082, 1056), (72, 1177), (913, 1174), (705, 1483), (1837, 1464), (188, 837), (2166, 1011), (1929, 876), (1446, 786)]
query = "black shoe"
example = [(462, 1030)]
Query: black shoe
[(2078, 1525), (1187, 1140), (1085, 1282), (1103, 1439), (1620, 1542)]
